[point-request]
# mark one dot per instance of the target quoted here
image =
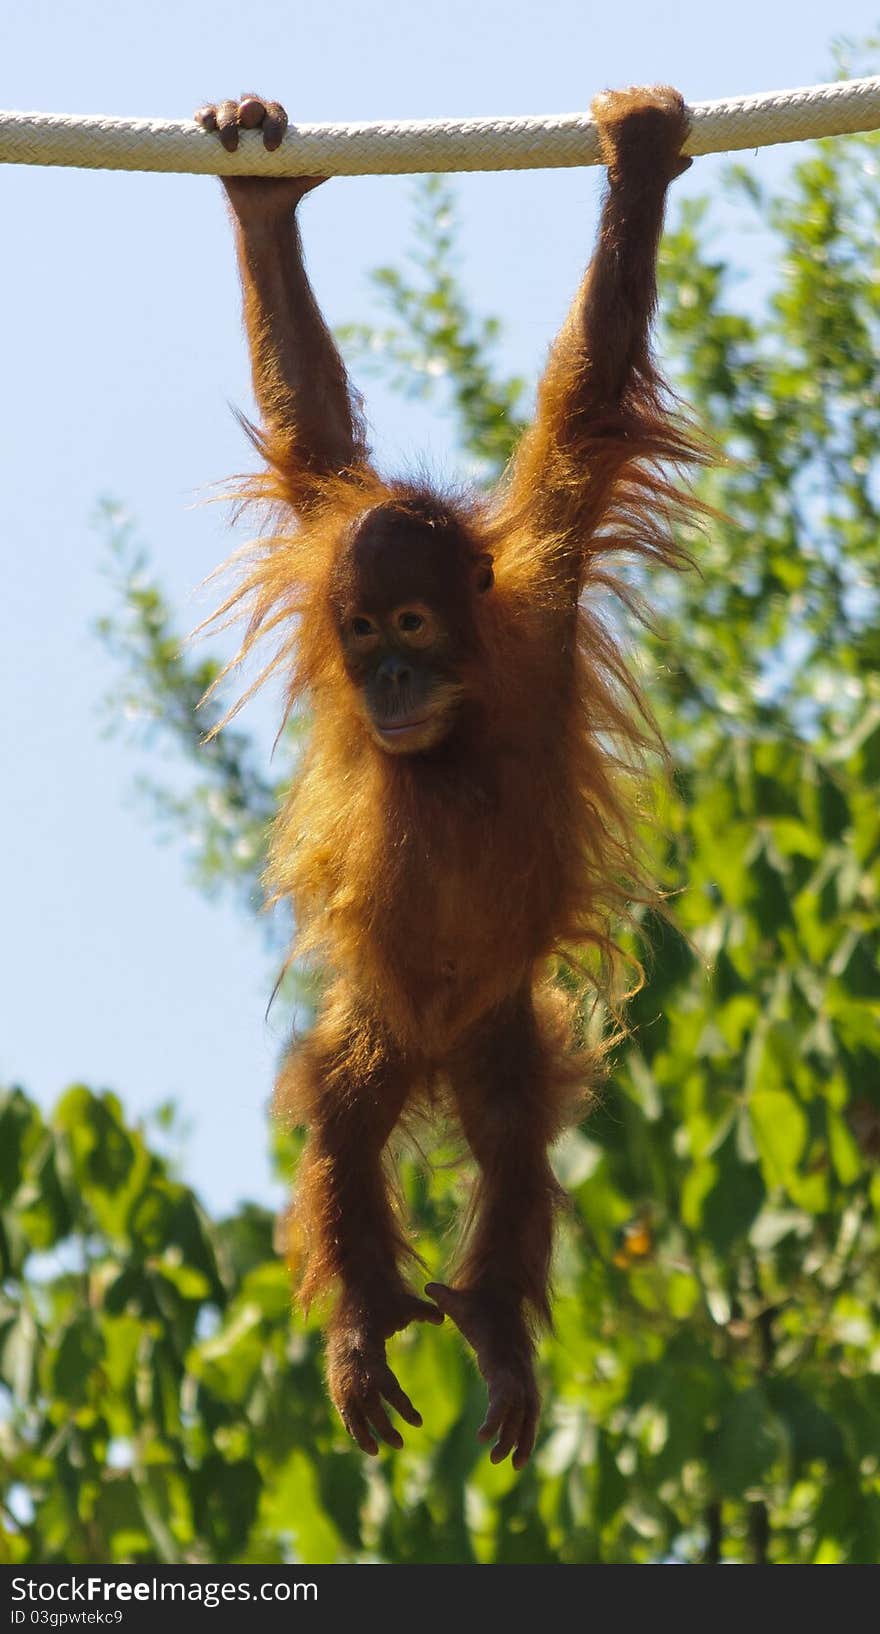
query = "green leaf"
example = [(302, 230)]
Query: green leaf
[(18, 1355), (225, 1499), (845, 1154), (293, 1510), (780, 1128), (79, 1352), (228, 1363), (19, 1126), (813, 1433), (747, 1445), (733, 1203)]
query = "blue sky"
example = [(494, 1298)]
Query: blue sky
[(122, 351)]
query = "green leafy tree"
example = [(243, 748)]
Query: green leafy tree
[(713, 1388)]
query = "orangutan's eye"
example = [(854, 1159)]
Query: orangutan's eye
[(410, 622), (362, 627)]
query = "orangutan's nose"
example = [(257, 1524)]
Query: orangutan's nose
[(395, 673)]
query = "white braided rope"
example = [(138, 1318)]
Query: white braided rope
[(94, 142)]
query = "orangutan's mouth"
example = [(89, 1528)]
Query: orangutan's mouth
[(389, 730)]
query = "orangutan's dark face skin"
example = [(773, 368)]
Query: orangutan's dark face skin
[(404, 600)]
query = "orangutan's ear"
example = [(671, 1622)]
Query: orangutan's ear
[(484, 574)]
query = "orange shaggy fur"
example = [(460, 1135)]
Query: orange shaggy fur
[(438, 890)]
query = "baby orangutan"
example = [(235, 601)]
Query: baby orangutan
[(466, 806)]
